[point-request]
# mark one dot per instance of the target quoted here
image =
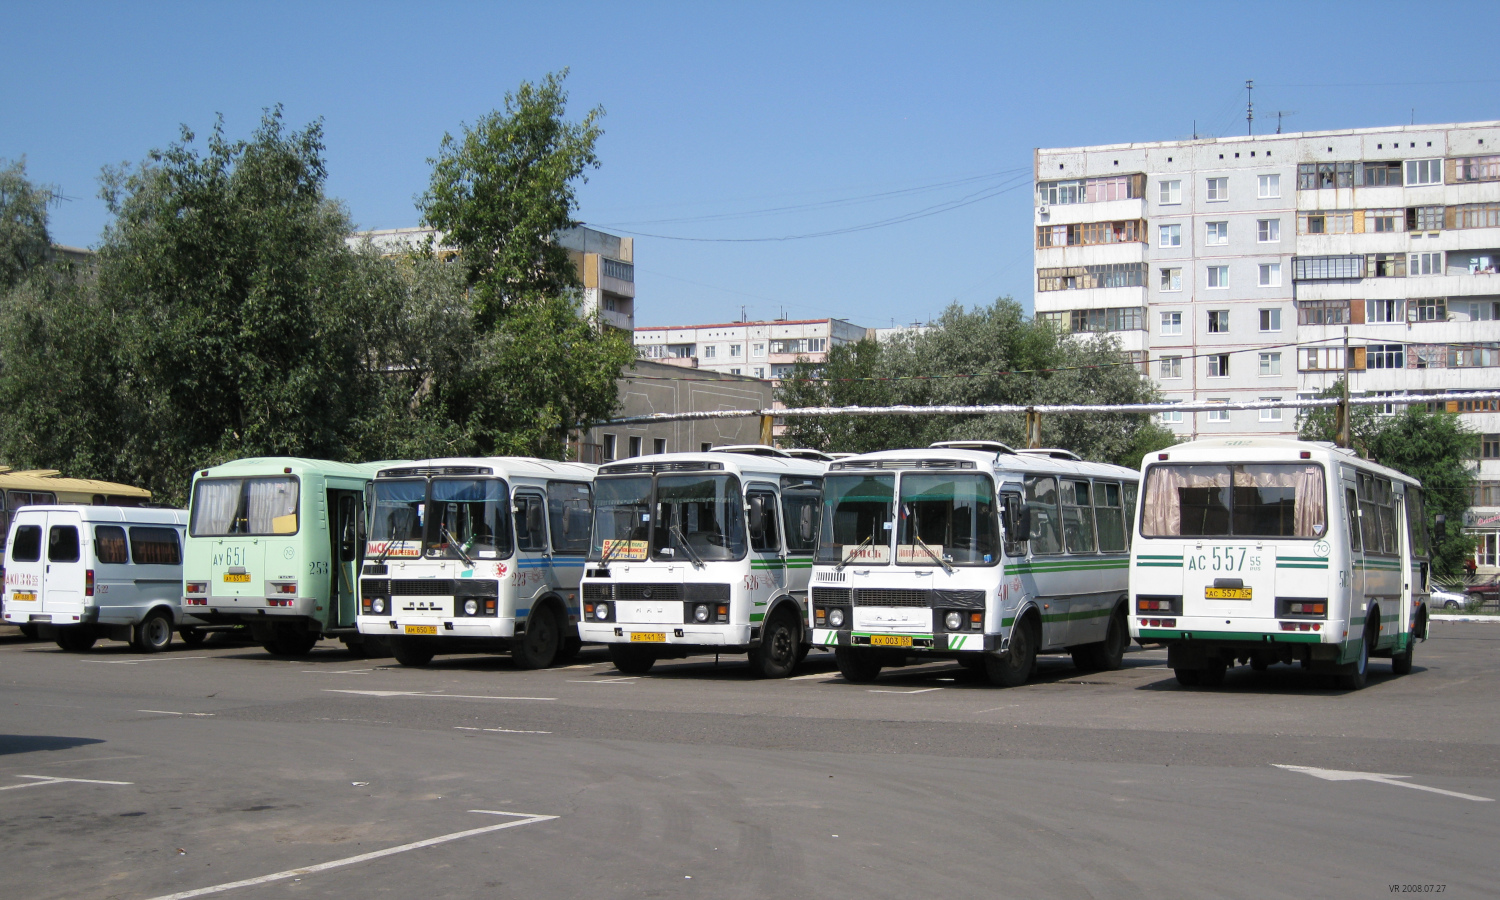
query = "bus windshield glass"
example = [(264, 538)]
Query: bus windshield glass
[(400, 511), (856, 518), (950, 517), (622, 519), (1277, 500), (469, 517), (249, 506), (706, 512)]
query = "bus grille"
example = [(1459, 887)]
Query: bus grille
[(594, 591), (830, 595), (890, 597), (375, 587), (422, 587), (648, 592)]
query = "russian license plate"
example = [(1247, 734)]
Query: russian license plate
[(1226, 593), (237, 578), (648, 637), (421, 629), (890, 640), (23, 595)]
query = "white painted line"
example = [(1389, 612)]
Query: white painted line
[(818, 675), (337, 672), (1338, 775), (428, 694), (500, 731), (168, 712), (131, 662), (41, 780), (630, 680), (363, 857), (580, 666), (917, 691)]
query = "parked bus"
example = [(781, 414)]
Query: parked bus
[(1267, 550), (275, 543), (972, 551), (702, 553), (477, 555), (81, 573), (44, 487)]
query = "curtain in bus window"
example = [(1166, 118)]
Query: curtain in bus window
[(1041, 499), (155, 546), (109, 545), (1186, 501), (271, 506), (1077, 517), (1107, 513), (214, 506), (1279, 501)]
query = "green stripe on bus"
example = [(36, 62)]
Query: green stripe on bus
[(756, 617)]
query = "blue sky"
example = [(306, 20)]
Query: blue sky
[(728, 122)]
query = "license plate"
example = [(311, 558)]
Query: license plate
[(890, 640), (241, 578), (1226, 593), (421, 629), (648, 637), (23, 595)]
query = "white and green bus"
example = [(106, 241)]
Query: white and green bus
[(972, 551), (274, 543), (477, 555), (702, 553), (1268, 550)]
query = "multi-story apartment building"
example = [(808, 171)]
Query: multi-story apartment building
[(1231, 267), (605, 264), (759, 349)]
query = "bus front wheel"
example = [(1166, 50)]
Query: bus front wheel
[(537, 648), (776, 656), (858, 666), (631, 660), (412, 652), (1014, 668)]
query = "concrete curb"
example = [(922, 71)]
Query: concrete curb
[(1485, 620)]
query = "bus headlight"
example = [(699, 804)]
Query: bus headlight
[(700, 613), (601, 611), (836, 618), (377, 606), (954, 621), (471, 607)]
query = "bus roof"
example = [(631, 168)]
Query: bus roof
[(498, 465), (132, 515), (277, 465), (48, 480), (734, 462), (1039, 463), (1269, 449)]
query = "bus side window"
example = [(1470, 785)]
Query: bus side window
[(1109, 516), (531, 533), (799, 509), (763, 536), (568, 506), (1131, 490), (1041, 500), (1351, 509), (1078, 517), (109, 545), (1012, 502)]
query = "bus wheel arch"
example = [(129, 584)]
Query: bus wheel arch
[(1014, 668), (781, 640), (154, 631), (539, 646)]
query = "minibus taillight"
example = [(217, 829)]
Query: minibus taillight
[(286, 587), (197, 587), (88, 583)]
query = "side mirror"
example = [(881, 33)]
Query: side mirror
[(534, 522), (806, 526), (758, 513), (1023, 525), (1440, 526)]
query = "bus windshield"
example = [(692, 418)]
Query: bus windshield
[(469, 517), (704, 511), (400, 507), (250, 506), (856, 518), (947, 518), (1260, 500), (622, 518)]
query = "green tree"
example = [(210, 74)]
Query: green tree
[(1437, 449), (24, 242), (988, 355)]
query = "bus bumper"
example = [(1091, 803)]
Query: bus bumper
[(471, 627), (673, 634), (931, 643)]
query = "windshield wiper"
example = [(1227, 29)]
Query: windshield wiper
[(923, 544), (676, 532), (453, 542), (850, 558)]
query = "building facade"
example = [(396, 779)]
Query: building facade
[(1232, 268), (766, 350), (654, 387)]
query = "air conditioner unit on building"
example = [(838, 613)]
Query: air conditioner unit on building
[(1042, 209)]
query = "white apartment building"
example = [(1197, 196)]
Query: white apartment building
[(758, 349), (1231, 266)]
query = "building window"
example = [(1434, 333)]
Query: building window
[(1270, 364), (658, 445), (1170, 195), (709, 351), (1487, 550), (1171, 279), (735, 371), (760, 371), (1385, 221), (1218, 415), (1270, 415), (1090, 190), (1385, 265), (705, 446), (1218, 321), (1218, 233), (1323, 312), (736, 349), (1069, 278), (760, 349), (1218, 189), (1327, 268), (1426, 264), (1090, 233), (1477, 168), (1489, 447), (1169, 235), (609, 448), (1270, 187), (1486, 493), (1171, 417), (1218, 365), (1428, 310), (1270, 319), (1319, 176), (1122, 318), (1381, 174), (1326, 222), (1424, 218), (1474, 356), (1268, 231), (1171, 367), (1474, 215), (1385, 356), (1218, 276), (1270, 274), (1171, 323), (1424, 171), (1382, 311), (635, 446), (800, 345)]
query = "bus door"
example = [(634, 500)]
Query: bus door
[(767, 560), (533, 555), (26, 578), (1352, 577), (346, 548), (800, 508), (1408, 573)]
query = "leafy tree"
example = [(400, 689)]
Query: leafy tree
[(24, 242), (1436, 449), (988, 355)]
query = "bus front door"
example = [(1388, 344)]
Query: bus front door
[(347, 548)]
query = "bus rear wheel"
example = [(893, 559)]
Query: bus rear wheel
[(28, 631), (1014, 668), (631, 660), (537, 648), (191, 636), (1108, 654), (76, 638), (1357, 675), (153, 633), (286, 641), (1188, 677), (858, 666), (1401, 662), (412, 651)]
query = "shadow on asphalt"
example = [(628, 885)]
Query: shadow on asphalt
[(30, 743)]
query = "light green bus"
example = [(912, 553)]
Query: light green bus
[(275, 543)]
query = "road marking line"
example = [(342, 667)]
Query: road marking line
[(338, 672), (499, 731), (579, 666), (49, 779), (131, 662), (428, 694), (363, 857), (168, 712), (601, 681), (1378, 778), (817, 675), (918, 691)]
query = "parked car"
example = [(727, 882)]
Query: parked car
[(1451, 600)]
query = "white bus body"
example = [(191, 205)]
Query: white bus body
[(80, 573), (1267, 550), (972, 551), (477, 554), (702, 552)]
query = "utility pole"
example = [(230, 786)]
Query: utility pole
[(1249, 107), (1342, 410)]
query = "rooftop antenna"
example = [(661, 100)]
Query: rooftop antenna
[(1249, 107), (1279, 114)]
